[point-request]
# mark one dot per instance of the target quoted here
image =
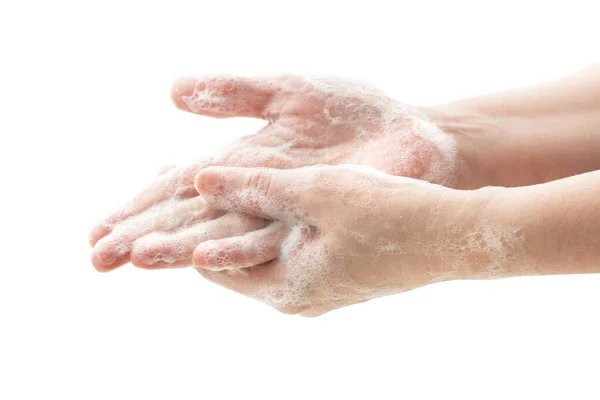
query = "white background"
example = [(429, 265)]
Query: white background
[(86, 121)]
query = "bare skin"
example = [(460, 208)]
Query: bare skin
[(361, 234), (355, 234), (309, 122), (517, 138), (528, 136)]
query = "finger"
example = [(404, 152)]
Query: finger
[(178, 183), (245, 251), (272, 193), (226, 96), (113, 250), (173, 250)]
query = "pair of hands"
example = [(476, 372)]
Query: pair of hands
[(305, 240)]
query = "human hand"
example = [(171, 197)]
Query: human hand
[(355, 233), (321, 121)]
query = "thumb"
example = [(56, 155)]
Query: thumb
[(268, 193), (225, 96)]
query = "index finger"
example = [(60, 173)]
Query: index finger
[(266, 192)]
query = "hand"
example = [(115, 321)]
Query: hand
[(355, 233), (310, 122)]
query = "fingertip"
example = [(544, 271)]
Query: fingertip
[(206, 255), (181, 90), (100, 263), (106, 256), (198, 257), (97, 233), (142, 256)]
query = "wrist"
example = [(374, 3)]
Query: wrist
[(516, 148), (487, 233), (495, 149), (474, 135)]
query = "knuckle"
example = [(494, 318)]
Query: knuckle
[(235, 256), (260, 181)]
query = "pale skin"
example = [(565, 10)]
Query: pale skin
[(310, 122), (411, 234), (514, 139)]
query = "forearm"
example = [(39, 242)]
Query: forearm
[(527, 136), (556, 226)]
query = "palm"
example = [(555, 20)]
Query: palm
[(310, 122)]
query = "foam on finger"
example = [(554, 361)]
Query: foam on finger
[(254, 248), (165, 250)]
